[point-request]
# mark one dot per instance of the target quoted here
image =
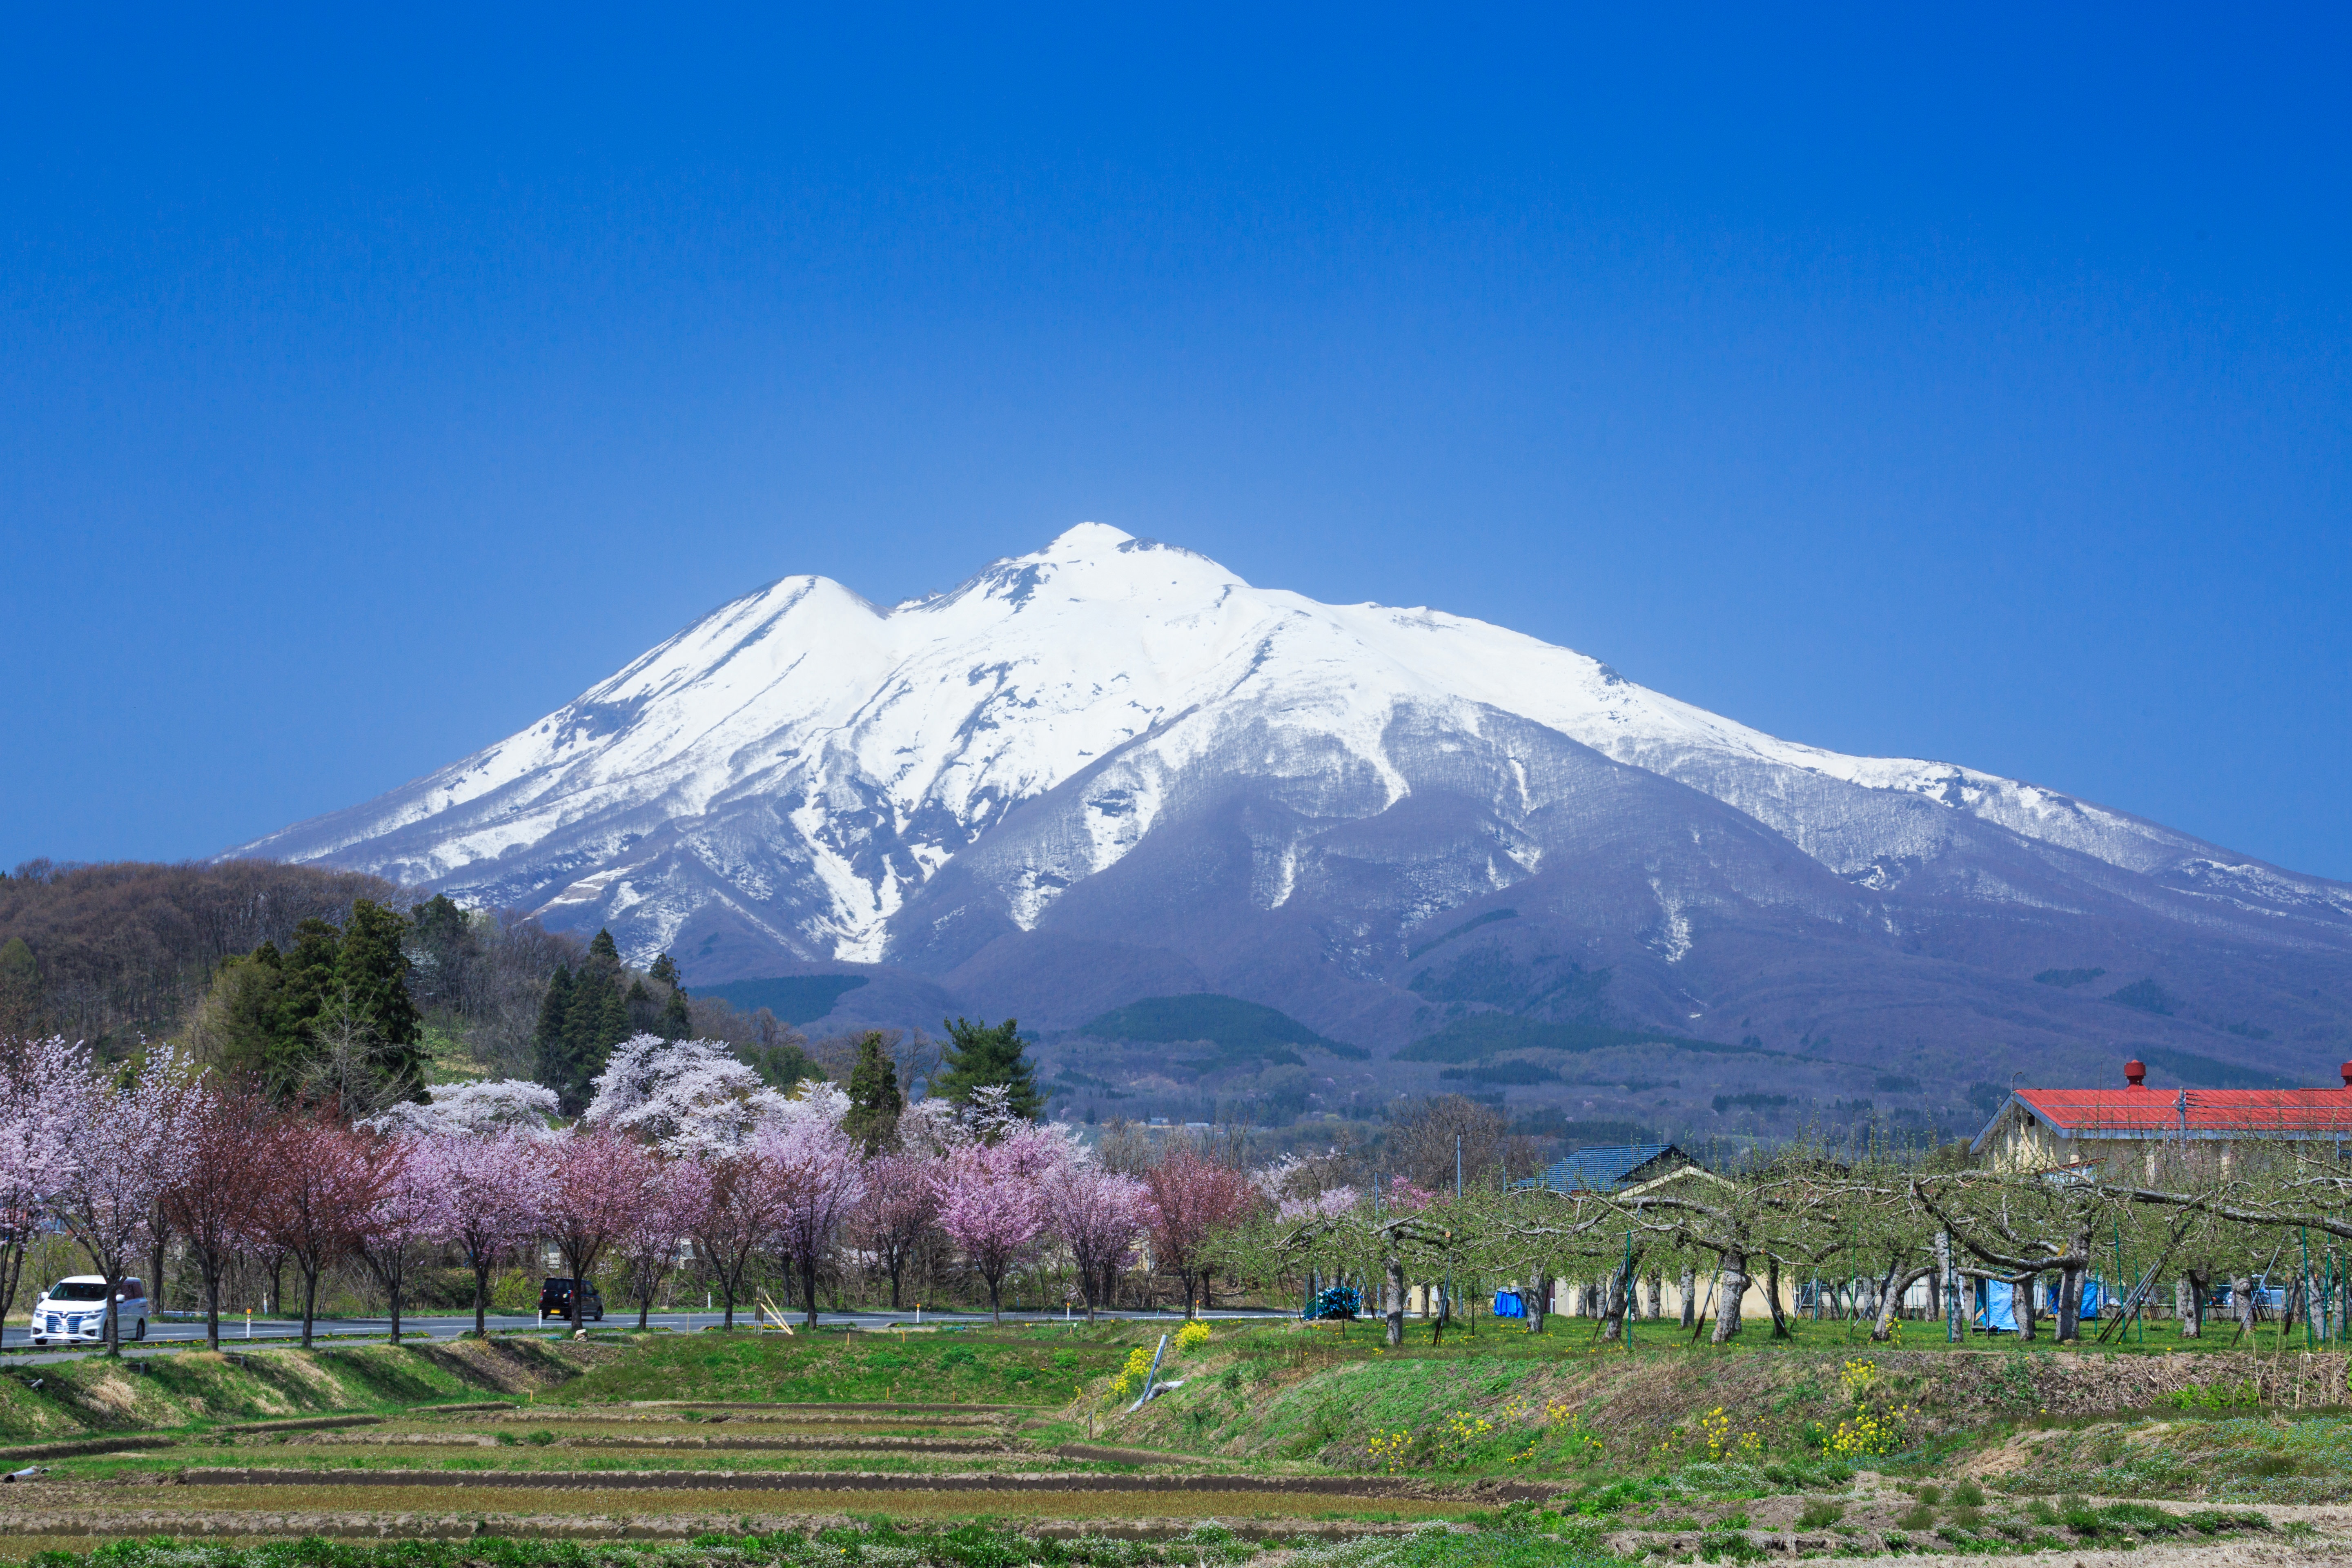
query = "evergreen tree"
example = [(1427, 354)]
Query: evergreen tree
[(676, 1023), (875, 1102), (596, 1020), (643, 1013), (447, 949), (370, 980), (552, 1067), (978, 1057)]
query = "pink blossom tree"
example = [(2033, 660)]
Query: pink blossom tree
[(820, 1176), (316, 1186), (596, 1180), (211, 1205), (992, 1201), (901, 1207), (411, 1209), (1098, 1215), (1192, 1198), (649, 1248), (128, 1150), (732, 1203), (488, 1200)]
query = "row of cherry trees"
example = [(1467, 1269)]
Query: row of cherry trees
[(682, 1143)]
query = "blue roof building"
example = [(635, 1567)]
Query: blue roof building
[(1612, 1168)]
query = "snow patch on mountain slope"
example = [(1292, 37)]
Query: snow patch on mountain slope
[(879, 744)]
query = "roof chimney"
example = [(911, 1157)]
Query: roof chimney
[(2346, 1070), (2135, 1073)]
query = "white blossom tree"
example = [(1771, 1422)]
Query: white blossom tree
[(127, 1148)]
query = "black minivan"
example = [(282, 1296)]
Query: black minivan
[(555, 1301)]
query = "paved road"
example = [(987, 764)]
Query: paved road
[(164, 1335)]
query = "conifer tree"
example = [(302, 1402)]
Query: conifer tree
[(978, 1057), (552, 1067), (596, 1020), (875, 1102), (370, 979)]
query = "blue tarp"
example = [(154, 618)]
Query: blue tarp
[(1508, 1305), (1999, 1309), (1339, 1301), (2092, 1296)]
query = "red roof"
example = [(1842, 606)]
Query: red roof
[(2141, 1112)]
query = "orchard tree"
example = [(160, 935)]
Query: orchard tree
[(37, 1112), (649, 1248)]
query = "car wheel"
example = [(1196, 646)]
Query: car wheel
[(141, 1331)]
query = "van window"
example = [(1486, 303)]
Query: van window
[(77, 1290)]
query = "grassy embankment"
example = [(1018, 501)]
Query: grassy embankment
[(195, 1391)]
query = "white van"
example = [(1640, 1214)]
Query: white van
[(73, 1311)]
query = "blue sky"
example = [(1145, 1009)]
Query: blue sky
[(1968, 386)]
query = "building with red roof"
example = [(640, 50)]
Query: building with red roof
[(2045, 1128)]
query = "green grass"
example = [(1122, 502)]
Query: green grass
[(983, 1366), (95, 1396), (2277, 1456)]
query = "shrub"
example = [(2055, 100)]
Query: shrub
[(1820, 1515), (1193, 1335)]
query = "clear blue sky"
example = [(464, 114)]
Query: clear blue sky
[(1970, 385)]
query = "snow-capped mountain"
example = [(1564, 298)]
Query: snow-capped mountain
[(1112, 769)]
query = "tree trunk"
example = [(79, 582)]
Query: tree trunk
[(2070, 1304), (808, 1288), (395, 1292), (481, 1297), (111, 1323), (1610, 1307), (2192, 1316), (996, 1305), (1540, 1307), (309, 1299), (2242, 1293), (1652, 1300), (1772, 1298), (1883, 1328), (1689, 1285), (1731, 1283), (2021, 1299), (212, 1302), (1393, 1289)]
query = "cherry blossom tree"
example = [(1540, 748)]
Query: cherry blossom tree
[(992, 1200), (901, 1206), (595, 1182), (317, 1185), (128, 1152), (411, 1209), (687, 1096), (1098, 1215), (820, 1176), (476, 1110), (733, 1203), (488, 1194), (212, 1202), (649, 1248), (1191, 1196), (37, 1153)]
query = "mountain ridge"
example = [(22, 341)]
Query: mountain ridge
[(1110, 769)]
